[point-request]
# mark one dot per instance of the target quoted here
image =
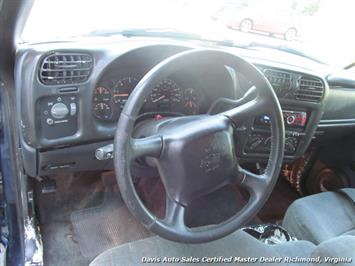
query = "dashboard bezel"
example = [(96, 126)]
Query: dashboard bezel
[(30, 91)]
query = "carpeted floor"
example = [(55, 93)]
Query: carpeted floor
[(108, 225), (86, 215), (74, 192)]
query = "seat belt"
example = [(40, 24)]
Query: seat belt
[(346, 195)]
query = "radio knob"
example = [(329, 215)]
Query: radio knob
[(290, 119), (59, 111)]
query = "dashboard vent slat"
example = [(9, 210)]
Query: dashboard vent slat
[(280, 80), (277, 76), (310, 89), (65, 68)]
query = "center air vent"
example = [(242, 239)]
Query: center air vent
[(280, 80), (65, 68), (310, 89), (277, 76)]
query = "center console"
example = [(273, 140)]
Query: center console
[(301, 97), (259, 139)]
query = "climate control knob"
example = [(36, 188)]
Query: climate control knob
[(291, 144), (59, 111), (255, 142)]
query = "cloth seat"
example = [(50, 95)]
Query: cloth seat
[(326, 219), (322, 216), (239, 245), (339, 251)]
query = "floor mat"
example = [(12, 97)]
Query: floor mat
[(60, 248), (110, 224), (74, 192)]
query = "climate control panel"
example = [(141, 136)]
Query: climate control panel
[(261, 143), (259, 140), (58, 116)]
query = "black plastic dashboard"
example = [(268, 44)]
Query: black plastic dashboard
[(70, 95)]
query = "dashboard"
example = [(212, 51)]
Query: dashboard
[(167, 96), (71, 95)]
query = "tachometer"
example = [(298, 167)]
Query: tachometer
[(122, 90), (103, 111), (166, 93)]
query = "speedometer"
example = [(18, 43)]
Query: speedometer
[(166, 93)]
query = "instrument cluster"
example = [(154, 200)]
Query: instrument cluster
[(167, 96)]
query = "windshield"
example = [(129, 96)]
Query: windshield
[(323, 29)]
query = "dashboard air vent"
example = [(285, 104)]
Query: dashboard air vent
[(65, 68), (310, 89), (280, 80), (277, 76)]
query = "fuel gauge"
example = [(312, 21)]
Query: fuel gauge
[(190, 103)]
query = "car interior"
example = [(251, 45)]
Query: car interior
[(132, 147)]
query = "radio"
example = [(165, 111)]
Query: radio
[(291, 119), (295, 118)]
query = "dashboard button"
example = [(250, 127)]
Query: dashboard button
[(50, 121), (59, 110), (72, 109)]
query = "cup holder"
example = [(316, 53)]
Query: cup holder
[(270, 234)]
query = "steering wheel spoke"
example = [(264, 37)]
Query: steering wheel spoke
[(254, 183), (175, 214), (248, 107), (149, 146), (224, 104)]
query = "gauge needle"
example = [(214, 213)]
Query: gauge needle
[(159, 99)]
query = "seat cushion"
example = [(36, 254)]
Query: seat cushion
[(339, 251), (321, 216), (238, 244)]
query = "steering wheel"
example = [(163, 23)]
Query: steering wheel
[(195, 155)]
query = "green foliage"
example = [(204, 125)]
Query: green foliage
[(311, 8)]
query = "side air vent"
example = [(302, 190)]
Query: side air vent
[(310, 89), (65, 68)]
